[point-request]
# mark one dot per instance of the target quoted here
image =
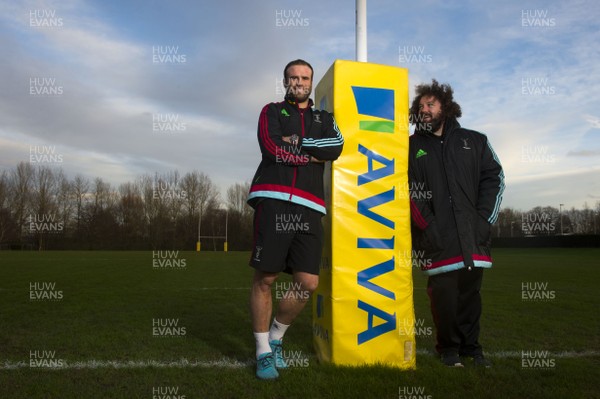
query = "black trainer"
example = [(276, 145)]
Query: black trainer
[(451, 360)]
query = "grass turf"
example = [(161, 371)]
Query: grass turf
[(110, 300)]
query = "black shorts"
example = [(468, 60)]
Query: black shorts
[(287, 237)]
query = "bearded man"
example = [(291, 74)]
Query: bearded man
[(456, 184)]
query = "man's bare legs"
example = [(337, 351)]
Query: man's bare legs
[(294, 300)]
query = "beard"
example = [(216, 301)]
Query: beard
[(433, 124), (436, 123), (298, 95)]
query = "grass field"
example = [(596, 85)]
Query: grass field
[(116, 327)]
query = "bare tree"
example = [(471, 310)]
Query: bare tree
[(131, 215), (65, 200), (201, 195), (596, 217), (240, 219), (5, 215), (44, 207), (176, 195), (509, 223), (102, 198), (200, 191), (80, 188), (236, 198), (586, 225), (156, 210), (3, 189), (101, 218), (20, 200)]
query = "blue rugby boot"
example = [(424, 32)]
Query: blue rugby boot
[(265, 367), (277, 348)]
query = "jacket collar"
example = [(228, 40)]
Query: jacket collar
[(294, 104), (450, 124)]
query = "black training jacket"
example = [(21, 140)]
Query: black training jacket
[(456, 184), (286, 172)]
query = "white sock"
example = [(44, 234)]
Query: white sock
[(262, 343), (277, 330)]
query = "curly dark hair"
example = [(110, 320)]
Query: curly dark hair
[(442, 92)]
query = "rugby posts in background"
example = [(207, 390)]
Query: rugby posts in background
[(363, 309)]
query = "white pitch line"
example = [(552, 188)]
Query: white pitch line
[(133, 364), (519, 354), (227, 363), (561, 355)]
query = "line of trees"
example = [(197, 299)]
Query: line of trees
[(40, 208), (547, 221)]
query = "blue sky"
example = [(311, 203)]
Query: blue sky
[(526, 73)]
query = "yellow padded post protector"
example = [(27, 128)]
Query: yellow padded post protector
[(363, 309)]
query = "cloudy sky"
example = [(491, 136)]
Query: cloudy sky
[(118, 89)]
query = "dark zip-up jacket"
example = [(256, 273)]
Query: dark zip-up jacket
[(456, 184), (286, 172)]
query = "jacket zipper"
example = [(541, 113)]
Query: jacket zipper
[(295, 167), (444, 142)]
